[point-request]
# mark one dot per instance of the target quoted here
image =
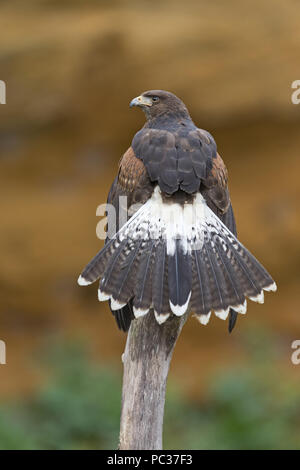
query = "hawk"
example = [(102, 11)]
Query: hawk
[(178, 251)]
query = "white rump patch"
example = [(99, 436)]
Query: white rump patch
[(179, 310), (161, 318), (170, 221), (83, 282)]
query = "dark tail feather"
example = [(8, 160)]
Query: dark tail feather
[(97, 266), (143, 282), (229, 220), (232, 320), (119, 279), (201, 300), (179, 279), (227, 273), (124, 316), (231, 287), (160, 288)]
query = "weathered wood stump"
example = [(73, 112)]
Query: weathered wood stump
[(147, 358)]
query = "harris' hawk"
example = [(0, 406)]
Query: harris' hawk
[(179, 249)]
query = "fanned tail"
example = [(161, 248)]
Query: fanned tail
[(173, 257)]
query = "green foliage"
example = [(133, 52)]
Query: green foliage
[(245, 408), (241, 412), (79, 408)]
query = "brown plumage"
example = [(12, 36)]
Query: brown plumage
[(179, 250), (132, 172)]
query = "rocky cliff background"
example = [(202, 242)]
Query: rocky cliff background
[(71, 69)]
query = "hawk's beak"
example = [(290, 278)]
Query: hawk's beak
[(141, 101)]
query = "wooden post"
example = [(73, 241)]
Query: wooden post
[(147, 358)]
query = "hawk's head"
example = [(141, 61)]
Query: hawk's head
[(156, 103)]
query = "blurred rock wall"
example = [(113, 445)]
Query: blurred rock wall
[(71, 68)]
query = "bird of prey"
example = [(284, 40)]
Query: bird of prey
[(178, 251)]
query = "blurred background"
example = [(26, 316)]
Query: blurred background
[(71, 68)]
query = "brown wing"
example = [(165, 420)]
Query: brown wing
[(215, 188), (216, 193), (131, 182)]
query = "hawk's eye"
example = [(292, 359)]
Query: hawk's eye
[(155, 99)]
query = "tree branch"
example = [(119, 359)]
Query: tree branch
[(147, 358)]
